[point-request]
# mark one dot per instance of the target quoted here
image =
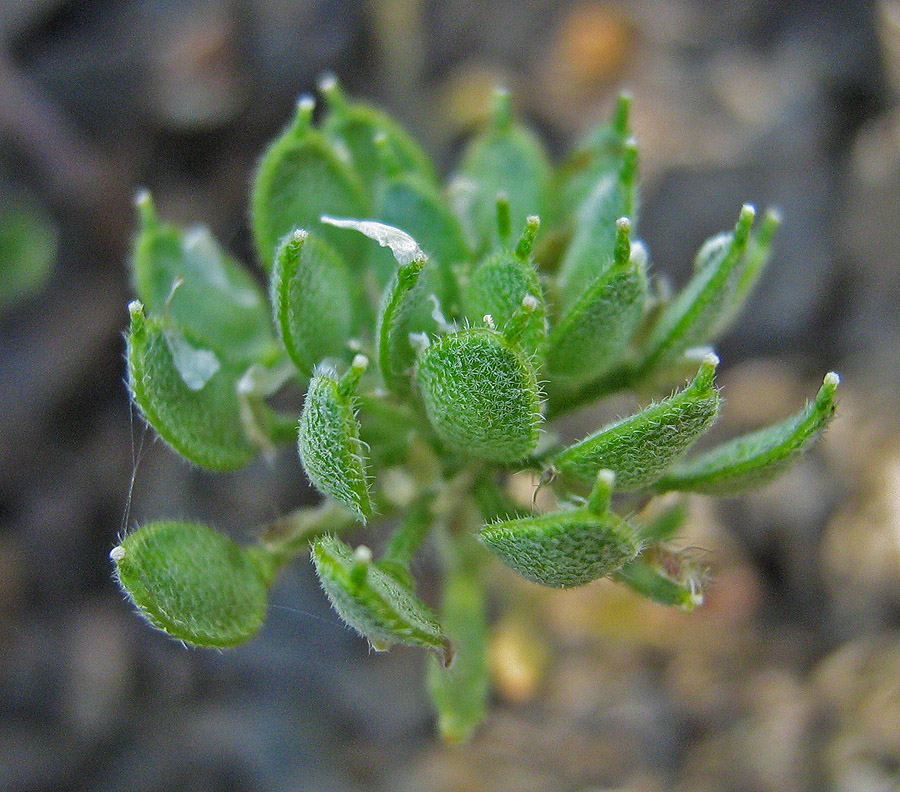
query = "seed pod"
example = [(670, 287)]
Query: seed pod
[(500, 282), (193, 582), (481, 394), (591, 251), (396, 355), (300, 177), (568, 548), (328, 440), (504, 158), (202, 423), (373, 602), (203, 292), (357, 126), (692, 317), (755, 458), (640, 448), (459, 693), (311, 300), (593, 334), (598, 155)]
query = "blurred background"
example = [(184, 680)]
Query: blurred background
[(787, 680)]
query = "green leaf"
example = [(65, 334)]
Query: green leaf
[(567, 548), (665, 576), (500, 282), (302, 176), (202, 424), (598, 155), (640, 448), (211, 298), (28, 244), (755, 458), (505, 158), (481, 394), (328, 440), (311, 300), (373, 602), (356, 127), (593, 334), (459, 693), (193, 582), (591, 251), (693, 316)]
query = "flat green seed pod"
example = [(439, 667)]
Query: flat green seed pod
[(328, 441), (357, 127), (594, 333), (599, 154), (193, 583), (459, 693), (756, 458), (694, 315), (504, 158), (209, 296), (311, 300), (496, 288), (202, 424), (640, 448), (481, 394), (373, 602), (568, 548), (591, 250), (300, 177)]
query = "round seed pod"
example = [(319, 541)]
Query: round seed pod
[(481, 394)]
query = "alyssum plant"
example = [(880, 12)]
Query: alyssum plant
[(434, 364)]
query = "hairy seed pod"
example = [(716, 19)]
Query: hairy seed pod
[(328, 440), (481, 394), (201, 423), (373, 602), (300, 177), (755, 458), (193, 582), (567, 548)]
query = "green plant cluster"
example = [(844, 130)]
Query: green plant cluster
[(438, 333)]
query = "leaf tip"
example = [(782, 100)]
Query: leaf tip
[(117, 554)]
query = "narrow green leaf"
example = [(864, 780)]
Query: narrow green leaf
[(211, 298), (593, 334), (481, 394), (328, 440), (665, 576), (311, 300), (202, 424), (504, 158), (591, 251), (300, 177), (567, 548), (692, 317), (459, 693), (499, 283), (193, 582), (373, 602), (640, 448), (356, 127), (755, 458)]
